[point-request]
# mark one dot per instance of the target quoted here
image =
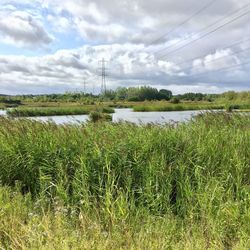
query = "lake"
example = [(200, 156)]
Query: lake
[(124, 115)]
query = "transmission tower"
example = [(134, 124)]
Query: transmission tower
[(103, 75), (84, 86)]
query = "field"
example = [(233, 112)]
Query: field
[(122, 186)]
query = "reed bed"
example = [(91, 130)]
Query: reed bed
[(187, 106), (122, 186), (56, 111)]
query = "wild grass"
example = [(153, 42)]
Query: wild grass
[(96, 116), (164, 106), (122, 186), (52, 111)]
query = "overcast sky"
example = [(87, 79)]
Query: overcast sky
[(52, 46)]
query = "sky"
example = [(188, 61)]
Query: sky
[(54, 46)]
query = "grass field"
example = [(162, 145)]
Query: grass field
[(122, 186)]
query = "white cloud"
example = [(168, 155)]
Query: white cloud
[(128, 65), (220, 59), (131, 30), (22, 29)]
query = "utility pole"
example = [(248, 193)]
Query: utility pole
[(103, 75)]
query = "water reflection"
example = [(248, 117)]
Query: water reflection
[(153, 117), (63, 119), (2, 112), (124, 115)]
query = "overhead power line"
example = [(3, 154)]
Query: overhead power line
[(219, 58), (221, 69), (231, 14), (223, 48), (184, 22), (205, 35)]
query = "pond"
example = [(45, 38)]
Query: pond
[(124, 115), (2, 112), (153, 117)]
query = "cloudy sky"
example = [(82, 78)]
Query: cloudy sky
[(53, 46)]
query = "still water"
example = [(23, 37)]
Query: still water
[(152, 117), (124, 115), (2, 112)]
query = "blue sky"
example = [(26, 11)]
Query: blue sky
[(49, 46)]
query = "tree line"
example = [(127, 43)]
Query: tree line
[(135, 94)]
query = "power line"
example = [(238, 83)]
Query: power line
[(206, 34), (205, 28), (221, 69), (217, 59), (184, 22), (223, 48)]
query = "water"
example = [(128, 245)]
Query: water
[(153, 117), (124, 115), (2, 112), (64, 119)]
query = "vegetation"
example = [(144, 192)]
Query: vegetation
[(29, 112), (96, 116), (162, 106), (141, 99), (122, 186), (141, 94)]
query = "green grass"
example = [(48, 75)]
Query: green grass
[(96, 116), (165, 106), (53, 111), (122, 186), (76, 108)]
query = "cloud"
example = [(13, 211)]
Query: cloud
[(129, 65), (220, 59), (130, 35), (22, 29)]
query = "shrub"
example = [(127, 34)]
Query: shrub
[(175, 100)]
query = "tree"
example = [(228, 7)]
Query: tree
[(165, 94), (121, 93), (110, 94), (148, 93)]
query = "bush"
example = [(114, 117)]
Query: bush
[(175, 100), (96, 116)]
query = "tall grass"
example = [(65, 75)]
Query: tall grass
[(122, 186), (52, 111), (147, 107)]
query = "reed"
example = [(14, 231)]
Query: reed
[(176, 107), (56, 111), (122, 186)]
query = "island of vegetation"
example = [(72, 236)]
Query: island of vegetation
[(143, 99)]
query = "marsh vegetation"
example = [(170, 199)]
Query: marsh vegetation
[(122, 186)]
